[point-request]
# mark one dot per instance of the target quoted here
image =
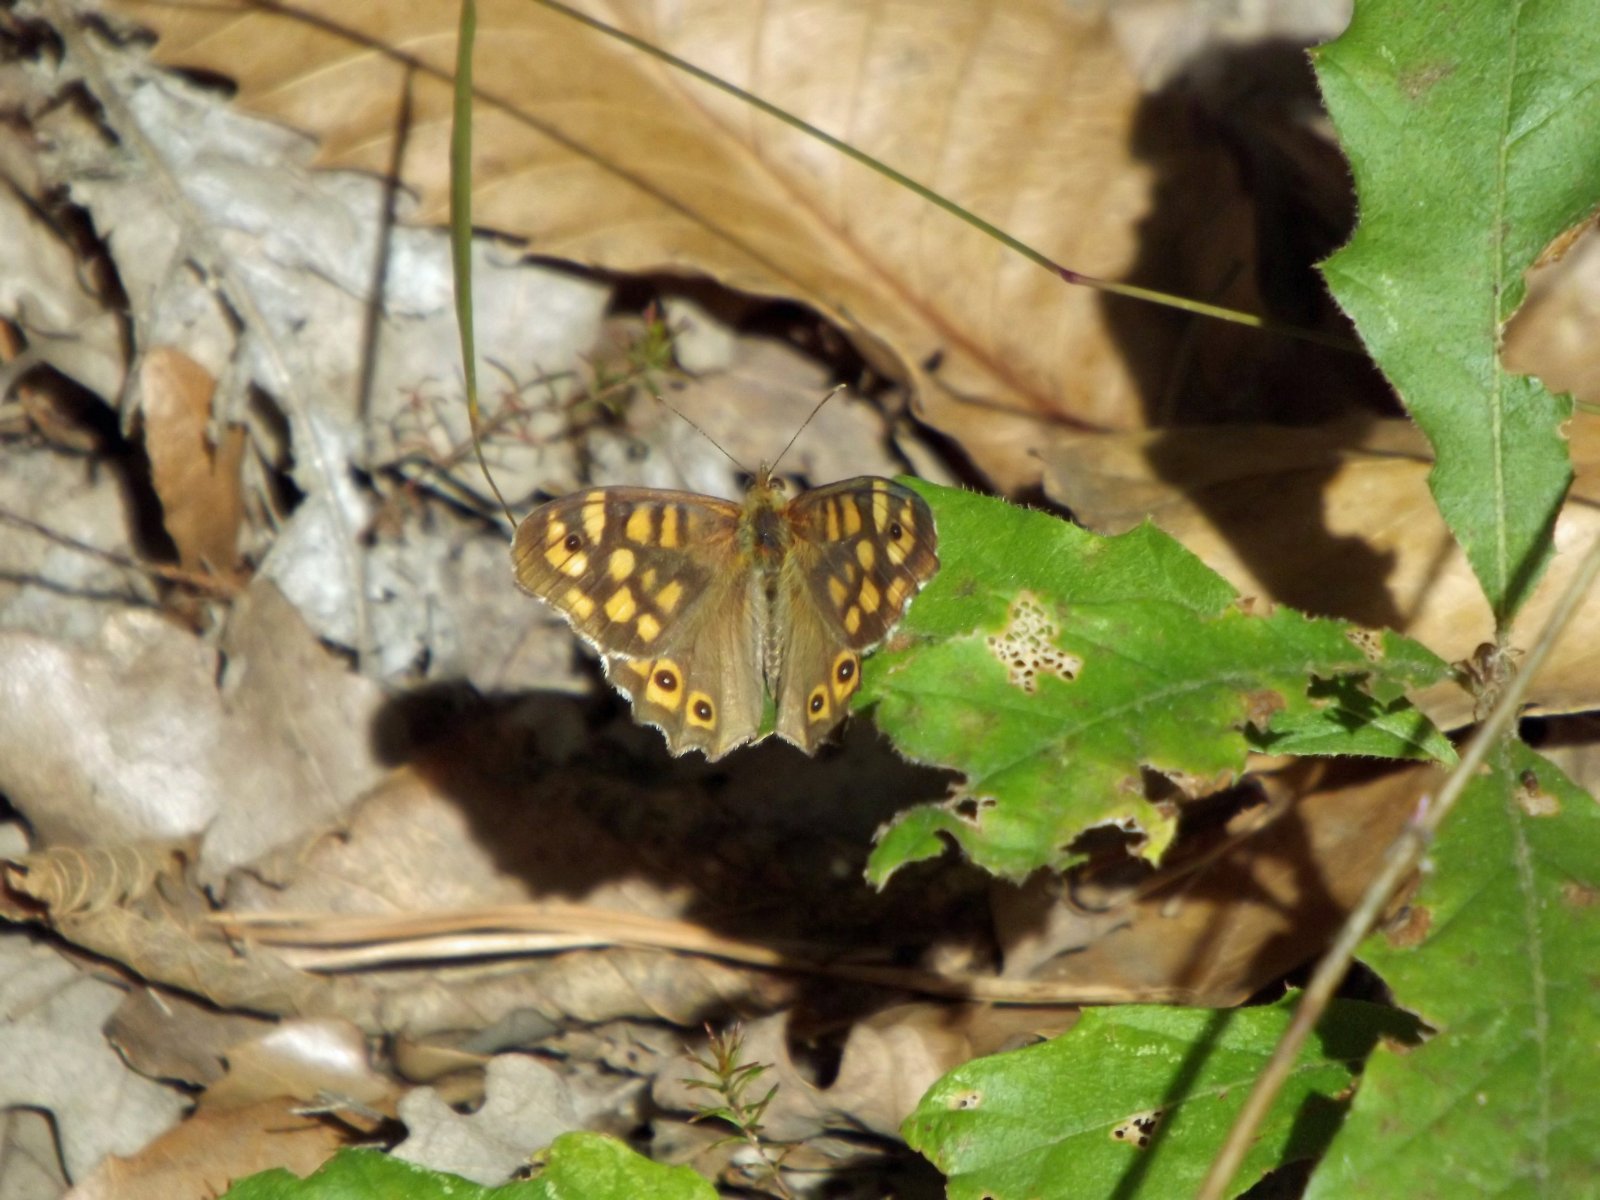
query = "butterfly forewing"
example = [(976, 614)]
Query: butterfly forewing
[(628, 567)]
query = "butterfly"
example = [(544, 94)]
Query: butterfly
[(700, 608)]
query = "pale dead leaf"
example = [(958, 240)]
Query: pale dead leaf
[(169, 1035), (53, 1057), (130, 741), (322, 1060), (527, 1105), (308, 719), (42, 290), (37, 572), (30, 1163), (1215, 933), (211, 1150), (1023, 110), (198, 482), (1338, 521), (122, 742)]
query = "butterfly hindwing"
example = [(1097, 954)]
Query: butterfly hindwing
[(703, 687)]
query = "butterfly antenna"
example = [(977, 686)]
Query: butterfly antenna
[(804, 423), (678, 412)]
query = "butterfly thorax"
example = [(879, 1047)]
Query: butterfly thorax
[(765, 532)]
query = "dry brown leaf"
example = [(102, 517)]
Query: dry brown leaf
[(1215, 934), (198, 482), (1022, 110), (208, 1152), (1338, 521)]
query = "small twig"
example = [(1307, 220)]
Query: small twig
[(1402, 857)]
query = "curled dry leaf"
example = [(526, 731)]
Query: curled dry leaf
[(1025, 112), (1338, 521), (72, 880)]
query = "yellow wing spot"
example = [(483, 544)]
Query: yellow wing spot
[(579, 604), (852, 620), (639, 528), (845, 677), (899, 590), (669, 595), (852, 516), (639, 666), (866, 555), (620, 565), (594, 515), (702, 712), (555, 534), (833, 520), (899, 551), (621, 606), (648, 627), (817, 706), (573, 565), (669, 527), (665, 684), (870, 596), (838, 590), (648, 579), (880, 505)]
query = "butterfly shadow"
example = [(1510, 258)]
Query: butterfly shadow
[(574, 803)]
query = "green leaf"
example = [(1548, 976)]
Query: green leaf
[(1471, 130), (577, 1164), (1499, 952), (1142, 659), (1059, 1119)]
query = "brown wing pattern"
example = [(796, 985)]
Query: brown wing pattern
[(861, 550), (653, 581), (628, 567)]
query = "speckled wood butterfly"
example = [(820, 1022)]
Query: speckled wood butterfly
[(700, 607)]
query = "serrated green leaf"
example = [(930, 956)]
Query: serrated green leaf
[(1055, 1119), (577, 1164), (1160, 668), (1499, 952), (1471, 130)]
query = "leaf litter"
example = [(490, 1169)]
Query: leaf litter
[(139, 714)]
